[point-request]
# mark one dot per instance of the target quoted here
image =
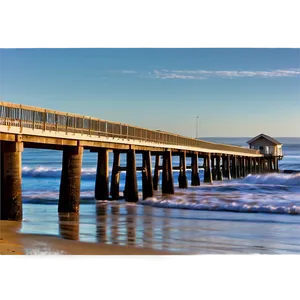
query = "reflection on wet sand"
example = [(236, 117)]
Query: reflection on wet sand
[(69, 225), (131, 224), (115, 224), (101, 222), (147, 230), (175, 230)]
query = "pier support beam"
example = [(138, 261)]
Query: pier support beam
[(195, 179), (115, 176), (213, 168), (207, 169), (276, 164), (224, 158), (234, 167), (147, 176), (167, 174), (182, 180), (250, 165), (131, 191), (11, 181), (238, 167), (273, 165), (218, 166), (228, 167), (242, 167), (69, 195), (101, 185), (259, 165), (263, 165), (156, 173)]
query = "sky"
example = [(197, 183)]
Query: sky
[(233, 92)]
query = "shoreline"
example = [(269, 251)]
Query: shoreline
[(14, 243)]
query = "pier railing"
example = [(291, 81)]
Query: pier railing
[(24, 116)]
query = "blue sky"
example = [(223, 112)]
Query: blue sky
[(235, 92)]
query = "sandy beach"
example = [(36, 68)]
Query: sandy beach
[(14, 243)]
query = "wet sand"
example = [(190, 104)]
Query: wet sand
[(14, 243)]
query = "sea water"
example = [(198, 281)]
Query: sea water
[(255, 214)]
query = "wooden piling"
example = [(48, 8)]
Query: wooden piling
[(238, 167), (101, 184), (234, 167), (218, 166), (147, 175), (11, 181), (115, 176), (213, 168), (69, 195), (167, 175), (249, 165), (195, 180), (243, 171), (156, 173), (131, 191), (182, 180), (228, 167), (207, 169)]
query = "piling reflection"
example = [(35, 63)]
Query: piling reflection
[(69, 225), (131, 224), (147, 225), (101, 222), (166, 228), (115, 221)]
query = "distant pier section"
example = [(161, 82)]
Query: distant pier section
[(24, 126)]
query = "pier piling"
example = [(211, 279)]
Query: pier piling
[(218, 166), (182, 180), (115, 176), (147, 175), (131, 191), (167, 174), (195, 180), (11, 181), (101, 184), (207, 170), (234, 167), (156, 173), (69, 195)]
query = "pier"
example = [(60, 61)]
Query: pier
[(32, 127)]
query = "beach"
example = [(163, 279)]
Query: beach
[(258, 214), (14, 243)]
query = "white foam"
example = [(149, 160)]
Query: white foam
[(275, 178), (212, 203)]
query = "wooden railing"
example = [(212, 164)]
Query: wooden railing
[(45, 119)]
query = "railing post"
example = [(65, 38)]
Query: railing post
[(74, 124), (67, 118), (90, 121), (82, 126), (33, 120), (99, 128), (45, 116), (56, 121), (21, 115)]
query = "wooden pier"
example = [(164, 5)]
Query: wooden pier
[(31, 127)]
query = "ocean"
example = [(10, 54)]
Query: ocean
[(256, 214)]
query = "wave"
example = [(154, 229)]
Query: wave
[(212, 204), (52, 172), (274, 179)]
